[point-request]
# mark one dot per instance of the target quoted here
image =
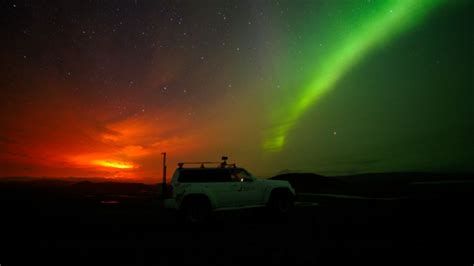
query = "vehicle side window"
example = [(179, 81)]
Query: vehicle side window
[(239, 176), (205, 176)]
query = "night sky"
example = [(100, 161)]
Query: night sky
[(101, 88)]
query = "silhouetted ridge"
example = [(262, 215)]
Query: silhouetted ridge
[(312, 183), (379, 184), (87, 187)]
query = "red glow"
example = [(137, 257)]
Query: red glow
[(51, 129), (113, 164), (59, 137)]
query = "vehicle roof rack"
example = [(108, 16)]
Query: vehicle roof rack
[(222, 164)]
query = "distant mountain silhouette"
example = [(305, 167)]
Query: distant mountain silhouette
[(13, 187), (87, 187), (310, 182), (63, 180), (378, 184), (365, 185), (288, 171)]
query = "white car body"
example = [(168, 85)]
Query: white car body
[(241, 191)]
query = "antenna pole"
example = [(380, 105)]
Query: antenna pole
[(163, 190)]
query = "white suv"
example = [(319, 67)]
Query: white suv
[(198, 191)]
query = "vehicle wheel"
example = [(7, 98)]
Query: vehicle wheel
[(281, 203), (197, 212)]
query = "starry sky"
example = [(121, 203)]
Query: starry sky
[(102, 88)]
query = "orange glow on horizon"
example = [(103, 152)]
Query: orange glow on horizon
[(114, 164), (92, 143)]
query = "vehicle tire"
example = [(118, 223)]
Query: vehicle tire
[(281, 203), (196, 211)]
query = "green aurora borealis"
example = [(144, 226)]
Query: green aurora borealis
[(378, 22)]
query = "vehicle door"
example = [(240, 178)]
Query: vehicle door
[(250, 191), (222, 188)]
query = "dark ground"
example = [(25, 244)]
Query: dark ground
[(44, 225)]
